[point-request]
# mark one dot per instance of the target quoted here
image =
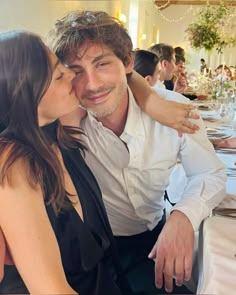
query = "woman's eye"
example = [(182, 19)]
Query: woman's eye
[(59, 76)]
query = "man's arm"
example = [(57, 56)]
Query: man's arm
[(204, 190), (173, 251), (159, 109)]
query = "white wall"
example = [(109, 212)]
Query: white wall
[(39, 15)]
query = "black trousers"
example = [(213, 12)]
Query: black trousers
[(137, 268)]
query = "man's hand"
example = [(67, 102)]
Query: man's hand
[(173, 251), (2, 254), (180, 84)]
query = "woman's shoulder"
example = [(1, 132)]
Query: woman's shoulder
[(14, 165)]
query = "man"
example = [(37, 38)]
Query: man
[(166, 55), (146, 63), (132, 156)]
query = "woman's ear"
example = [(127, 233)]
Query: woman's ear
[(149, 79)]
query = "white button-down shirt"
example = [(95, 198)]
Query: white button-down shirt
[(133, 176)]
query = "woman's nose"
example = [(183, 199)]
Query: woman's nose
[(71, 74)]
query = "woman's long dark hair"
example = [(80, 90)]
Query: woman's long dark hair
[(25, 74)]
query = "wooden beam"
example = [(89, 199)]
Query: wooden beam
[(193, 2)]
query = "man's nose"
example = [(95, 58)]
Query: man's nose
[(93, 80)]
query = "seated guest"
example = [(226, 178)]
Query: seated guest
[(178, 72), (179, 51), (166, 57), (203, 67), (146, 63), (132, 156)]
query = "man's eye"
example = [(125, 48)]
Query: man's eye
[(78, 72), (103, 64)]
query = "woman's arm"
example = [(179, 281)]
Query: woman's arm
[(229, 143), (147, 100), (2, 254), (29, 235)]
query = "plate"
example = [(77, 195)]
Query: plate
[(225, 151), (204, 108), (219, 135)]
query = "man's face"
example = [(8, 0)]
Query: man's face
[(167, 69), (180, 67), (100, 83)]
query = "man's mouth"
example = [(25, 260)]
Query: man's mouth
[(98, 97)]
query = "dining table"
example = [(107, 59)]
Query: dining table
[(216, 255)]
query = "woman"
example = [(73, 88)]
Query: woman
[(47, 192)]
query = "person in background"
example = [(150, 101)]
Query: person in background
[(203, 66), (228, 74), (146, 63), (132, 155), (179, 51), (178, 72), (179, 65), (166, 57)]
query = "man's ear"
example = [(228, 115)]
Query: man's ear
[(130, 64), (163, 63)]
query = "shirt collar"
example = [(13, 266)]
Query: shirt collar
[(134, 123)]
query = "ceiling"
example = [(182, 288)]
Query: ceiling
[(165, 3)]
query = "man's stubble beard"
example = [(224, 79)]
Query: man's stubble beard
[(103, 113)]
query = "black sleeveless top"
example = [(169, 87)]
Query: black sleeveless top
[(87, 247)]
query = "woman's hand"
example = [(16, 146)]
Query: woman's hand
[(176, 115), (168, 113)]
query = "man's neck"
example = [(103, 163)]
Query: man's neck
[(161, 78), (117, 120)]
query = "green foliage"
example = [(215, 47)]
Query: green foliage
[(207, 30)]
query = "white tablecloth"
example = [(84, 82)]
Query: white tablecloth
[(217, 242), (217, 254)]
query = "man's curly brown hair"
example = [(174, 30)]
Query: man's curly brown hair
[(75, 28)]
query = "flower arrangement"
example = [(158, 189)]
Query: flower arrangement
[(211, 28)]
